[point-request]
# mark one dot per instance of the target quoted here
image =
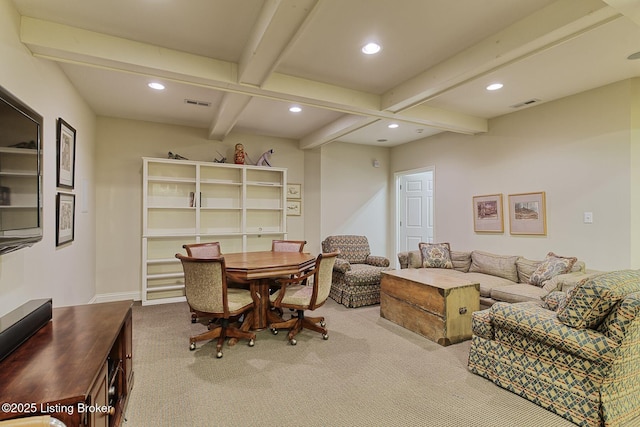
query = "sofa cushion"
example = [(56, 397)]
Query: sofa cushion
[(363, 275), (487, 282), (525, 268), (435, 255), (551, 266), (415, 259), (518, 292), (461, 260), (589, 303), (495, 265)]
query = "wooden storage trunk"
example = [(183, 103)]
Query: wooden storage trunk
[(433, 305)]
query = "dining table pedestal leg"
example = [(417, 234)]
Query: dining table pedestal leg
[(261, 316)]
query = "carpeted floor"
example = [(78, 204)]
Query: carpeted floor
[(370, 372)]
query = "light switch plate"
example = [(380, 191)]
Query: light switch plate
[(588, 217)]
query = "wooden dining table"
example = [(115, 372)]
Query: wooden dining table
[(258, 269)]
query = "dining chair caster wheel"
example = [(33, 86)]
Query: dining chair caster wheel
[(325, 336), (293, 341), (252, 343), (192, 346), (274, 331), (219, 354), (323, 323)]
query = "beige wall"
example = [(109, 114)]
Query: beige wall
[(121, 146), (576, 149), (64, 273), (355, 194)]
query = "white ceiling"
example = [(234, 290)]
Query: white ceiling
[(250, 60)]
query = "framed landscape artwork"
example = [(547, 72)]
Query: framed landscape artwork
[(527, 213), (487, 214)]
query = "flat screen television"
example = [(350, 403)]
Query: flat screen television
[(20, 174)]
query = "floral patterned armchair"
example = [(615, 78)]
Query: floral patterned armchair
[(356, 273)]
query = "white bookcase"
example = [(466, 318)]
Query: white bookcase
[(242, 207)]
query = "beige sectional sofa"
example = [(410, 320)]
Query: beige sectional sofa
[(502, 277)]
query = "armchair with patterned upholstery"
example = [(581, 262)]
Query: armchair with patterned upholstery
[(356, 273), (577, 356)]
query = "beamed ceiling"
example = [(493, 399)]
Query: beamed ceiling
[(241, 64)]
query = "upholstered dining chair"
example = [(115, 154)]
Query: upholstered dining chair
[(293, 294), (288, 245), (205, 282), (201, 250), (285, 246)]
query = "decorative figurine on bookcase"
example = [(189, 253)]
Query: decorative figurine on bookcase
[(176, 156), (222, 158), (239, 156), (264, 159)]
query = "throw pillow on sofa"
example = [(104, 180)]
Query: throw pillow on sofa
[(553, 265), (590, 302), (496, 265), (435, 255)]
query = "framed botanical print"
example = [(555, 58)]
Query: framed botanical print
[(527, 213), (487, 214), (294, 207), (294, 191), (66, 154)]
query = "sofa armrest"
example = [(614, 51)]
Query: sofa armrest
[(378, 261), (403, 259), (341, 265), (567, 281), (539, 324)]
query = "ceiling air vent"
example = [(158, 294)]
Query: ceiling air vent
[(198, 103), (526, 103)]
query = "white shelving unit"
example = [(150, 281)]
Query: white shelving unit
[(242, 207)]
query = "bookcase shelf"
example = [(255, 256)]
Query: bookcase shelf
[(241, 206)]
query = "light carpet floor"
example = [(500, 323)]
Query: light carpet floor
[(371, 372)]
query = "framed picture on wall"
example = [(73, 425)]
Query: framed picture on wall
[(294, 207), (527, 213), (66, 154), (65, 218), (294, 191), (487, 214)]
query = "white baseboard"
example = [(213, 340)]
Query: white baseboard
[(116, 296)]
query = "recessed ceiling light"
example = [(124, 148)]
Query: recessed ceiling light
[(393, 126), (156, 86), (495, 86), (295, 109), (371, 48)]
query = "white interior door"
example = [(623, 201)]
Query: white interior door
[(415, 202)]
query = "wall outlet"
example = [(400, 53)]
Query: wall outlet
[(588, 217)]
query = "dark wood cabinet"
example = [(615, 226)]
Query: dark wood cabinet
[(78, 368)]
